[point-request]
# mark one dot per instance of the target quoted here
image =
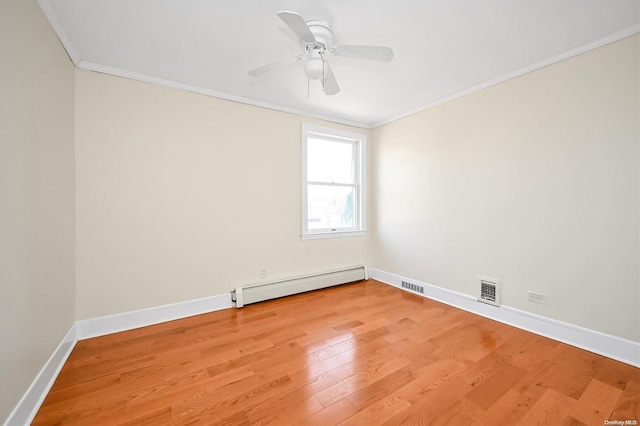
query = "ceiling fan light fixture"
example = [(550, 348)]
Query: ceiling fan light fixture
[(314, 69)]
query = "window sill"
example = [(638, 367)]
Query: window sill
[(336, 234)]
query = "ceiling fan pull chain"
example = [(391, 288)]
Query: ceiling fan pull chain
[(322, 57), (308, 88)]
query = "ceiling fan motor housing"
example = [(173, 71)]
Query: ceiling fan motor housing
[(322, 32)]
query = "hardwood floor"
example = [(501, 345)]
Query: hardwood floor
[(358, 354)]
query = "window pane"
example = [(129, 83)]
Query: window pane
[(329, 161), (330, 207)]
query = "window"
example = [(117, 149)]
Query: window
[(333, 184)]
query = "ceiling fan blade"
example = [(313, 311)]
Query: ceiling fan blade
[(275, 64), (330, 83), (376, 53), (298, 26)]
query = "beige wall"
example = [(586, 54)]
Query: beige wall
[(533, 181), (182, 196), (37, 219)]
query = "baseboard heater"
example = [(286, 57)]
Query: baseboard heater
[(286, 287)]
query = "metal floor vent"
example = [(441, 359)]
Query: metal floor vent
[(489, 291), (413, 287)]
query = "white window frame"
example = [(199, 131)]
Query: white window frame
[(359, 141)]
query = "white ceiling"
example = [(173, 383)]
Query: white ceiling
[(443, 49)]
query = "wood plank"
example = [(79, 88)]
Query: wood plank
[(491, 390), (596, 403), (462, 412), (332, 415), (378, 412), (551, 409), (433, 403), (628, 406), (375, 368), (291, 414), (507, 410)]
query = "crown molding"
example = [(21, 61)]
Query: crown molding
[(213, 93)]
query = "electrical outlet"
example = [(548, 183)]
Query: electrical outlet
[(263, 272), (537, 298)]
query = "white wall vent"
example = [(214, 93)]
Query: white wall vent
[(489, 291), (413, 287)]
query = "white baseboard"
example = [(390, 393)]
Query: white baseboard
[(617, 348), (30, 403), (109, 324)]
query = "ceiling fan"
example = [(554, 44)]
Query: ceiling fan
[(317, 40)]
